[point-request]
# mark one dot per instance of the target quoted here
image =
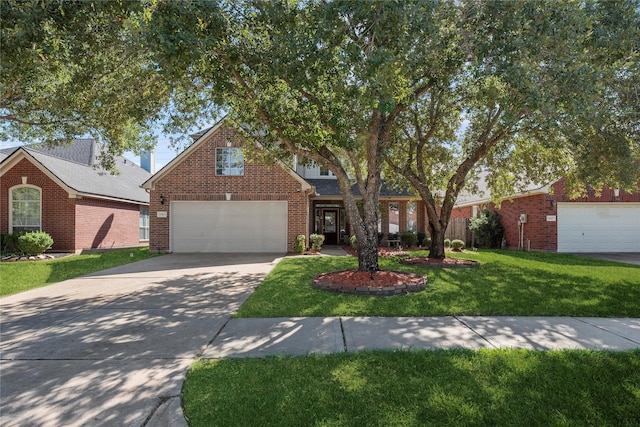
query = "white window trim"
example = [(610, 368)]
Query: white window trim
[(148, 227), (15, 187)]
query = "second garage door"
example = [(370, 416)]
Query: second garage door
[(229, 226), (598, 227)]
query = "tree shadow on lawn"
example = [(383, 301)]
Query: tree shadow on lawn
[(503, 285)]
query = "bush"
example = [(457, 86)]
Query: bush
[(447, 243), (34, 243), (457, 245), (408, 239), (9, 242), (316, 241), (426, 242), (301, 243), (380, 237), (421, 236), (487, 228)]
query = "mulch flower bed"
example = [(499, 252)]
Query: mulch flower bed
[(382, 252), (442, 263), (377, 283)]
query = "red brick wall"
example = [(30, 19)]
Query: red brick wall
[(57, 208), (465, 212), (194, 179), (73, 224), (541, 234), (106, 224)]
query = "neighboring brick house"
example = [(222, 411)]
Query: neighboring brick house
[(61, 191), (208, 199), (544, 218)]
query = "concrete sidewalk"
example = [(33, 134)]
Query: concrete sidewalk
[(323, 335)]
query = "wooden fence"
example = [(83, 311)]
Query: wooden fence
[(459, 229)]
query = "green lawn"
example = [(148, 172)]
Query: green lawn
[(418, 388), (21, 276), (507, 283)]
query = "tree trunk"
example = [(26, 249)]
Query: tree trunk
[(437, 241), (364, 224)]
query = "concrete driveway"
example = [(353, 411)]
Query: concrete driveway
[(626, 257), (112, 348)]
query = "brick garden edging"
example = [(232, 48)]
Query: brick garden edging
[(378, 291), (423, 262)]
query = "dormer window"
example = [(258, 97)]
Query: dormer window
[(324, 171)]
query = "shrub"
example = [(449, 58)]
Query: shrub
[(316, 241), (393, 236), (408, 239), (9, 242), (447, 243), (301, 243), (457, 245), (421, 236), (487, 228), (353, 241), (380, 237), (426, 242), (34, 243)]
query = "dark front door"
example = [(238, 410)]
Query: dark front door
[(330, 226)]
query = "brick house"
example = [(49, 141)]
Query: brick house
[(208, 199), (544, 218), (61, 191)]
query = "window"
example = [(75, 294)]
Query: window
[(412, 217), (26, 209), (394, 217), (144, 223), (229, 161), (324, 171)]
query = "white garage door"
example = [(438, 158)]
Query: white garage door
[(598, 227), (229, 226)]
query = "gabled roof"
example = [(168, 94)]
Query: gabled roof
[(483, 195), (200, 138), (75, 168)]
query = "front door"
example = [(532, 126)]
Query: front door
[(330, 226)]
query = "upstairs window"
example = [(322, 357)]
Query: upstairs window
[(229, 161), (26, 209), (324, 171)]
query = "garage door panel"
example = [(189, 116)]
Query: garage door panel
[(229, 226), (602, 227)]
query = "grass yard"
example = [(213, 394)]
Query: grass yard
[(21, 276), (507, 283), (418, 388)]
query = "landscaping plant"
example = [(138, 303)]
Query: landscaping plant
[(301, 243), (316, 241), (34, 242)]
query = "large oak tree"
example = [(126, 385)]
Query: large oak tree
[(325, 81), (524, 92), (77, 68)]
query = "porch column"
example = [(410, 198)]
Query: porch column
[(402, 220), (422, 216), (384, 218)]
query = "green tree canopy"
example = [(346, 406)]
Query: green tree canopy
[(325, 81), (526, 91), (76, 68)]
